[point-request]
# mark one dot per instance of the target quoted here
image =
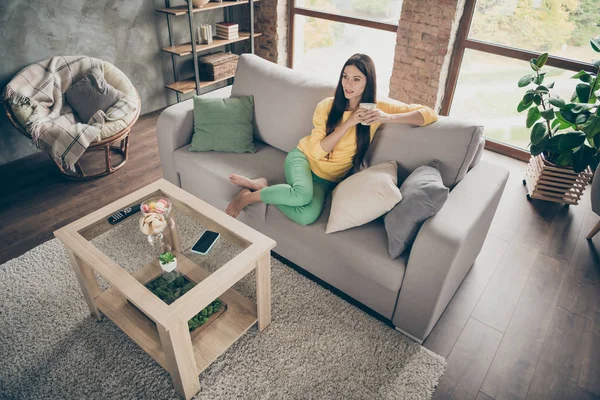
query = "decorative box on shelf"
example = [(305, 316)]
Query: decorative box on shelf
[(550, 182), (217, 65)]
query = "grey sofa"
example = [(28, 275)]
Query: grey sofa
[(411, 291)]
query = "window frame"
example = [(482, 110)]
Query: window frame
[(293, 10), (463, 42)]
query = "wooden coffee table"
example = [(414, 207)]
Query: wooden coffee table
[(161, 329)]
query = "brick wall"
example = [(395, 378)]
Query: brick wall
[(271, 18), (424, 46)]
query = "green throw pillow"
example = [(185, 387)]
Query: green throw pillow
[(223, 125)]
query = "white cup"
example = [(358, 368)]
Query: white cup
[(367, 106)]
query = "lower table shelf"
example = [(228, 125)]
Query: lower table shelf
[(208, 345)]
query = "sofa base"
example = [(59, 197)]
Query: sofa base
[(333, 289), (409, 335)]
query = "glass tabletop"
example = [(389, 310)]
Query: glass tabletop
[(128, 244), (117, 267)]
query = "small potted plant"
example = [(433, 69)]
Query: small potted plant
[(565, 136), (168, 262)]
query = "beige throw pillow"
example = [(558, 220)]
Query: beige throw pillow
[(364, 196)]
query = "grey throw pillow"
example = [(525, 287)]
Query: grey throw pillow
[(91, 94), (423, 195)]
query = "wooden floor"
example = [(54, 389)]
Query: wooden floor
[(525, 322)]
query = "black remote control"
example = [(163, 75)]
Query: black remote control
[(121, 215)]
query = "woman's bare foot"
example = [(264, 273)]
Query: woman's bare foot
[(239, 202), (252, 184)]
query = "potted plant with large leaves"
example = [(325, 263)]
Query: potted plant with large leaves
[(565, 136)]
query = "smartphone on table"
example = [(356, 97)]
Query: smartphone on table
[(205, 243)]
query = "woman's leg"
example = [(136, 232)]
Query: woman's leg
[(241, 200), (252, 184), (307, 214), (298, 191)]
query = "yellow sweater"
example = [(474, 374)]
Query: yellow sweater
[(339, 163)]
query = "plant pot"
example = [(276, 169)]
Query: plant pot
[(549, 163), (548, 181), (198, 3), (169, 267)]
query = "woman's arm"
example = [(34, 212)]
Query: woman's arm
[(410, 118), (400, 113), (329, 142)]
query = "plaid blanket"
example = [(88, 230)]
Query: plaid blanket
[(53, 126)]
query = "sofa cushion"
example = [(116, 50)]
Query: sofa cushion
[(423, 195), (363, 249), (453, 142), (364, 196), (284, 100), (223, 125), (206, 175)]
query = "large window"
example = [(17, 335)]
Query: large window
[(327, 32), (497, 38)]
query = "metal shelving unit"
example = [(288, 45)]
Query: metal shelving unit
[(183, 86)]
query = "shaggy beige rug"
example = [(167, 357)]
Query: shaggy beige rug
[(318, 346)]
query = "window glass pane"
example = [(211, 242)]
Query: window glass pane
[(487, 93), (321, 48), (560, 27), (377, 10)]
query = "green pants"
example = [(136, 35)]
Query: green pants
[(302, 199)]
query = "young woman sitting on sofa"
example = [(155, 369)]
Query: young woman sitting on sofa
[(337, 144)]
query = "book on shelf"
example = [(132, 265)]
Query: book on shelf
[(227, 37), (227, 24), (219, 29), (227, 34)]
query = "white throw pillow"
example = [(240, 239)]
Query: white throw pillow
[(364, 196)]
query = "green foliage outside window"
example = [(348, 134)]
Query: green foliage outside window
[(371, 7), (545, 25)]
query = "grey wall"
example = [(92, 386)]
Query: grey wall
[(127, 33)]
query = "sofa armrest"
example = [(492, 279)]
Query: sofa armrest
[(174, 129), (445, 249)]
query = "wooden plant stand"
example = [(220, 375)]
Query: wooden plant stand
[(546, 181)]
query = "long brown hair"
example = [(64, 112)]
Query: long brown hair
[(365, 64)]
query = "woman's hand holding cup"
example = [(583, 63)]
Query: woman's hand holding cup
[(369, 113), (356, 117)]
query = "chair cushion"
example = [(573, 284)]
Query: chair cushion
[(206, 175), (363, 248), (223, 125), (22, 112), (423, 195), (117, 79), (90, 94), (364, 196), (284, 100)]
